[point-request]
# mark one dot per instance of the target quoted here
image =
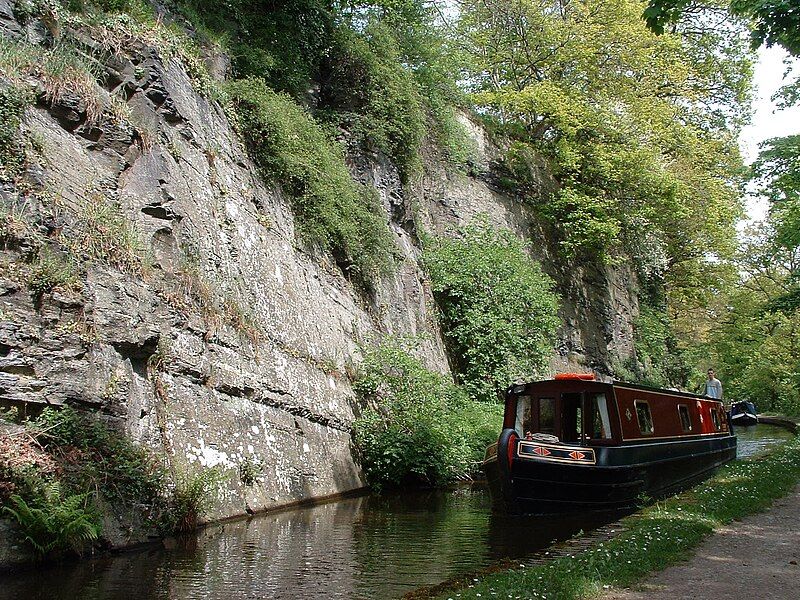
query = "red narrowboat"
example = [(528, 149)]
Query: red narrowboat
[(576, 444)]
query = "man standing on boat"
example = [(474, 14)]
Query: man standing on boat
[(713, 386)]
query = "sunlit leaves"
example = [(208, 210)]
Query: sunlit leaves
[(499, 314), (777, 175), (639, 129)]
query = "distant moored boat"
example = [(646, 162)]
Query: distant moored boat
[(744, 413), (576, 444)]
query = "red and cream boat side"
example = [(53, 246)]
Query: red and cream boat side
[(573, 443)]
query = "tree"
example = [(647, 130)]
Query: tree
[(639, 129), (755, 338), (776, 173), (774, 22)]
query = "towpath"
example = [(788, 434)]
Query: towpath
[(756, 558)]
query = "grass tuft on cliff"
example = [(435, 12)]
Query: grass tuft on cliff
[(13, 102), (656, 537), (332, 210)]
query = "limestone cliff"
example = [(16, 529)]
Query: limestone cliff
[(226, 340)]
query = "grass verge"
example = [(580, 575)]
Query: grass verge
[(656, 537)]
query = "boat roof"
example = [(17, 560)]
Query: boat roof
[(568, 381), (672, 392)]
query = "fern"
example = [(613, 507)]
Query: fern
[(58, 523)]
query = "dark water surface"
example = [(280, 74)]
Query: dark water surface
[(756, 439), (359, 548)]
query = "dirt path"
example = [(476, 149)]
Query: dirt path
[(754, 559)]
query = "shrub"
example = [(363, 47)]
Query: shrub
[(108, 461), (250, 470), (419, 428), (191, 499), (498, 310), (369, 80), (586, 222), (331, 209)]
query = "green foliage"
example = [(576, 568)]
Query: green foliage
[(250, 470), (660, 361), (13, 102), (381, 97), (331, 209), (498, 312), (636, 127), (375, 67), (75, 463), (587, 222), (756, 336), (283, 43), (51, 271), (123, 471), (776, 173), (773, 22), (54, 523), (190, 500), (419, 428), (654, 538)]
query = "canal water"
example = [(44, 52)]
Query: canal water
[(359, 548), (756, 439)]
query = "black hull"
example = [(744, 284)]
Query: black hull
[(621, 477), (744, 420)]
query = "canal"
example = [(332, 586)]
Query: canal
[(367, 547)]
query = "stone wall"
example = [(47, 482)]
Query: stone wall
[(255, 368)]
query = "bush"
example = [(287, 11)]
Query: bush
[(369, 80), (191, 499), (498, 310), (419, 428), (107, 460), (331, 209), (52, 480)]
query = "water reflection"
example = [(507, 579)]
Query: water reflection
[(368, 547), (756, 439), (358, 548)]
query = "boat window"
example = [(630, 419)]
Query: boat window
[(524, 422), (643, 416), (715, 418), (686, 419), (599, 425), (547, 415), (571, 417)]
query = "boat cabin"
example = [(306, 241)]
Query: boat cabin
[(577, 411)]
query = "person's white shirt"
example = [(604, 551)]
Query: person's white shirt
[(714, 388)]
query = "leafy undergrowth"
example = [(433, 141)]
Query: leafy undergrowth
[(64, 469), (419, 427), (654, 538)]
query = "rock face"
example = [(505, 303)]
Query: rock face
[(223, 341)]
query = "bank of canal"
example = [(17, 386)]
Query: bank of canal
[(368, 547)]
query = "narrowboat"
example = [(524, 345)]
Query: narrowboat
[(576, 444), (744, 413)]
